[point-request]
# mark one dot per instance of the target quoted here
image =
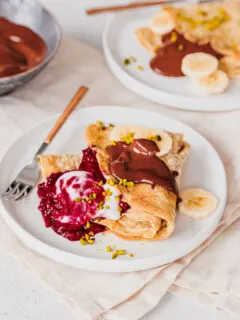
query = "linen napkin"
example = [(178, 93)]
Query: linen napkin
[(211, 276)]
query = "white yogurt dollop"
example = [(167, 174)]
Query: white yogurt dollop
[(78, 183), (77, 178)]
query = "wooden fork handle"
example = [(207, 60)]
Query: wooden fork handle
[(133, 5), (68, 110)]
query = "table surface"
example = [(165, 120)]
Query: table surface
[(23, 297)]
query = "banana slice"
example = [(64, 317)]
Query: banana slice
[(197, 203), (161, 138), (199, 65), (214, 84), (161, 23)]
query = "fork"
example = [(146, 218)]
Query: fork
[(29, 175)]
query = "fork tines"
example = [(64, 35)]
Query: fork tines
[(16, 191)]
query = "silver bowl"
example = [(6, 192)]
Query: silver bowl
[(32, 15)]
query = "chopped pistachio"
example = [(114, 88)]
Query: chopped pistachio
[(114, 255), (107, 207), (100, 206), (117, 198), (180, 47), (158, 137), (108, 249), (130, 184), (181, 17), (149, 136), (202, 12), (127, 62), (113, 143), (83, 241), (111, 182), (100, 124), (140, 68), (224, 15), (121, 252), (109, 192), (129, 138), (91, 241), (214, 23), (111, 125), (173, 37), (88, 199), (189, 20)]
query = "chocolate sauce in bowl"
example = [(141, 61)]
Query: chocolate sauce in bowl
[(138, 163), (20, 48), (168, 58)]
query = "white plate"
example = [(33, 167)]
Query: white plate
[(119, 42), (203, 169)]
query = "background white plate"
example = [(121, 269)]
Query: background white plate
[(119, 42), (203, 169)]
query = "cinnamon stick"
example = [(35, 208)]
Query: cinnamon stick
[(133, 5)]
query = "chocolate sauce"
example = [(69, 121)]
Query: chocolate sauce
[(168, 58), (138, 163), (20, 48)]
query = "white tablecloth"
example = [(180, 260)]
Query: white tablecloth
[(79, 64)]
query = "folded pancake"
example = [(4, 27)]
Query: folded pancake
[(152, 209), (216, 23), (231, 66), (49, 164)]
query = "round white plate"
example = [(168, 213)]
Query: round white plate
[(203, 169), (119, 42)]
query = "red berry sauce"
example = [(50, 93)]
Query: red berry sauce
[(66, 216)]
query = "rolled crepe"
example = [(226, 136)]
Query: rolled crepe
[(152, 210), (49, 164)]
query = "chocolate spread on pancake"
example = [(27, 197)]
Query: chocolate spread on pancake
[(168, 58), (20, 48), (138, 163)]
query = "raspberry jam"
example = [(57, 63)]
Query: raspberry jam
[(89, 163), (69, 200)]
